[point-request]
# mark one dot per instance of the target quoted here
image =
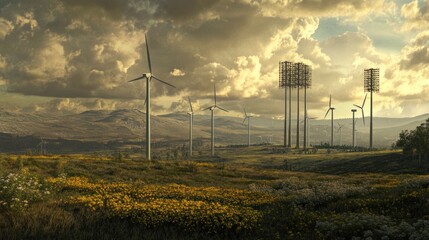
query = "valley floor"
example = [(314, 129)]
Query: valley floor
[(243, 193)]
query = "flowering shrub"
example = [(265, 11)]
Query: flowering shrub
[(312, 193), (189, 215), (192, 208), (18, 190)]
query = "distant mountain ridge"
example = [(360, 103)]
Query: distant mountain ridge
[(129, 125)]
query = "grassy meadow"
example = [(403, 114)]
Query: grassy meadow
[(254, 193)]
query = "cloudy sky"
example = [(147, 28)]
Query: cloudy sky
[(69, 56)]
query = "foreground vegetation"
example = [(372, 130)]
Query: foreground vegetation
[(241, 194), (415, 141)]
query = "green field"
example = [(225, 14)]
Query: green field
[(241, 194)]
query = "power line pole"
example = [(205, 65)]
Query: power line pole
[(298, 75), (286, 76), (307, 84), (371, 84), (353, 128)]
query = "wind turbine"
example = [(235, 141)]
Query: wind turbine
[(270, 139), (248, 126), (332, 119), (148, 76), (340, 127), (308, 129), (361, 108), (212, 108), (42, 145), (191, 123)]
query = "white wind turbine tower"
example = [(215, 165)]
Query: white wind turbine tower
[(191, 124), (148, 76), (42, 145), (212, 108), (307, 118), (332, 119), (340, 128), (248, 126), (270, 139), (363, 114), (306, 122)]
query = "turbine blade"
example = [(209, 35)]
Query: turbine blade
[(357, 106), (223, 109), (190, 104), (163, 82), (327, 112), (214, 90), (135, 79), (364, 100), (245, 113), (244, 120), (207, 108), (363, 117), (148, 54), (330, 100)]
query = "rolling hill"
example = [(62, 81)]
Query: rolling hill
[(129, 125)]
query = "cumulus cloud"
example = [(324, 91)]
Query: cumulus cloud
[(58, 49), (89, 49), (5, 28), (182, 105), (177, 73), (76, 49), (416, 53), (323, 8), (416, 18), (311, 48)]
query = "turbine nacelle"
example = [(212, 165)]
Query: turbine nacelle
[(246, 116), (213, 107)]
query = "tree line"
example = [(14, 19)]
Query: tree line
[(415, 141)]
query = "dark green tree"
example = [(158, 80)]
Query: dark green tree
[(415, 141)]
